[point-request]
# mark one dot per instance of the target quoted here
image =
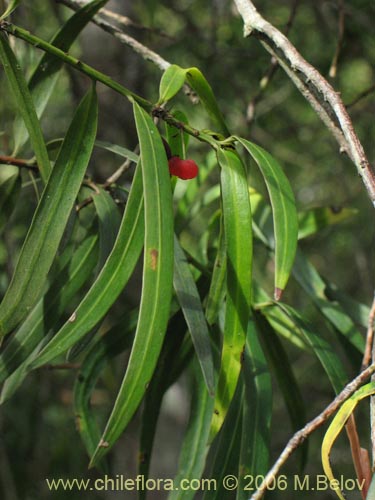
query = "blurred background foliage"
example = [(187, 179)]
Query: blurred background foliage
[(38, 436)]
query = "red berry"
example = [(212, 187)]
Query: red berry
[(184, 169)]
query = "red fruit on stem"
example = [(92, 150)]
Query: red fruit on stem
[(184, 169)]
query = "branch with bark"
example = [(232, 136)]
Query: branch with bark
[(301, 435), (142, 50), (323, 98)]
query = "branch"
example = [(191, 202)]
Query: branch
[(310, 427), (18, 162), (370, 328), (269, 74), (369, 337), (122, 20), (139, 48), (361, 96), (333, 69), (325, 101)]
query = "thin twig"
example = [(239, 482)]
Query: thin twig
[(361, 96), (311, 427), (271, 71), (369, 337), (340, 40), (370, 327), (117, 174), (87, 201), (124, 21), (139, 48), (325, 101), (112, 179), (361, 467), (18, 162)]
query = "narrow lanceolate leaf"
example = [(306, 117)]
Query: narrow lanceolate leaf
[(111, 280), (336, 427), (287, 322), (44, 78), (177, 139), (118, 150), (171, 82), (238, 238), (284, 213), (174, 357), (10, 186), (157, 281), (118, 339), (201, 86), (50, 309), (312, 221), (188, 297), (51, 216), (24, 101), (225, 451), (257, 412), (11, 7), (194, 448), (324, 351), (109, 222), (309, 279), (216, 293), (279, 361), (358, 312)]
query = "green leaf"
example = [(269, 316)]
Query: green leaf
[(257, 413), (216, 293), (324, 350), (224, 454), (309, 279), (278, 318), (284, 213), (51, 216), (24, 101), (111, 280), (45, 75), (115, 341), (336, 427), (157, 281), (10, 187), (36, 330), (109, 222), (238, 239), (288, 322), (171, 82), (188, 297), (118, 150), (280, 364), (194, 448), (312, 221), (11, 7), (177, 139), (358, 312), (199, 83), (172, 362)]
